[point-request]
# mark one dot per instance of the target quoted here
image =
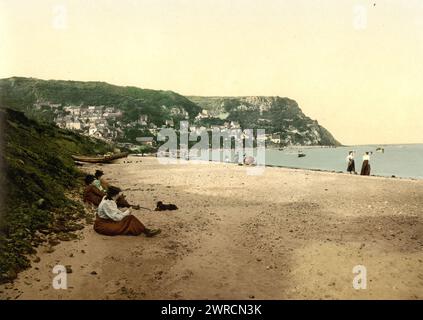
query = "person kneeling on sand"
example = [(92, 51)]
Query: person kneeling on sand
[(111, 221)]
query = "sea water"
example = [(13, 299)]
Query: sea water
[(404, 161)]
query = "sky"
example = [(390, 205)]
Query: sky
[(355, 66)]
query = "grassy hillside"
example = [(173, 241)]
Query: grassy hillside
[(37, 172), (21, 93)]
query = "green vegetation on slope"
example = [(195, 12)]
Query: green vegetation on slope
[(37, 172), (21, 93)]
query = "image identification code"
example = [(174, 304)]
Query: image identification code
[(211, 309)]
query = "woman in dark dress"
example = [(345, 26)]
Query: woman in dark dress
[(351, 162), (91, 193), (365, 168), (111, 221)]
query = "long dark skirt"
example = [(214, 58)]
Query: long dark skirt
[(365, 169), (128, 226), (351, 166)]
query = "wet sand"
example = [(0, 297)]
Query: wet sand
[(285, 234)]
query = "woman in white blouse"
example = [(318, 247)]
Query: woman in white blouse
[(111, 221), (350, 162)]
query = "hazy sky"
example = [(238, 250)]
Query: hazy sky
[(355, 66)]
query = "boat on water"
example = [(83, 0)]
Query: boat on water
[(380, 149), (100, 159), (301, 154)]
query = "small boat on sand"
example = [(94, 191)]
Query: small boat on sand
[(101, 159)]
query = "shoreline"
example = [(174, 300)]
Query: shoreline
[(285, 167)]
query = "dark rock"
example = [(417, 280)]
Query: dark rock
[(53, 242), (49, 250)]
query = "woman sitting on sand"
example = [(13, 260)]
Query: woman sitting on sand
[(91, 193), (365, 168), (99, 182), (111, 221)]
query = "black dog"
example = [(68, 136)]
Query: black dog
[(162, 207)]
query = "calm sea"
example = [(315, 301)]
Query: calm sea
[(404, 161)]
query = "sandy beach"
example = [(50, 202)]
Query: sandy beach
[(285, 234)]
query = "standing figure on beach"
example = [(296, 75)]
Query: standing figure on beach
[(365, 168), (111, 221), (351, 162)]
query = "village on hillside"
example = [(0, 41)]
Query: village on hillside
[(106, 122)]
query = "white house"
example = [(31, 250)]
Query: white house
[(73, 125), (169, 123), (92, 130)]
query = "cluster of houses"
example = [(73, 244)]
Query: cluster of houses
[(228, 125), (105, 122), (102, 122)]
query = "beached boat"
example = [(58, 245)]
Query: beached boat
[(100, 159)]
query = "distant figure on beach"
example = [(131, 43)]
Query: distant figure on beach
[(111, 221), (365, 168), (351, 162)]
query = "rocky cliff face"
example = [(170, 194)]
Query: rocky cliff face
[(282, 118)]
